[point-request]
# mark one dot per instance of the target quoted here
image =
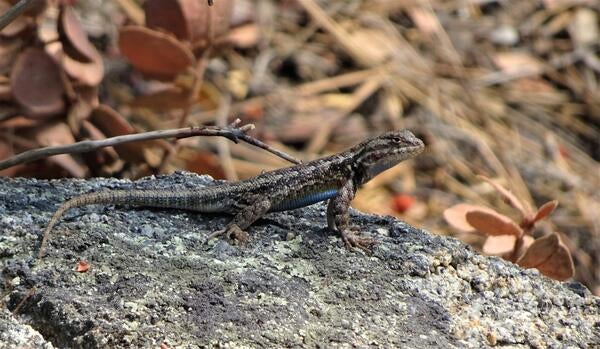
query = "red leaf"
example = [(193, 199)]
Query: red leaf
[(36, 83), (493, 223), (498, 245), (83, 266), (550, 256), (545, 210), (155, 54), (456, 216)]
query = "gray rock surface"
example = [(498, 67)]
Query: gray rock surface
[(293, 285)]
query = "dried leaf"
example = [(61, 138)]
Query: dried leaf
[(517, 62), (375, 43), (36, 83), (74, 40), (162, 101), (78, 112), (19, 121), (559, 266), (539, 251), (545, 210), (244, 36), (492, 223), (89, 74), (507, 196), (203, 162), (155, 54), (425, 20), (9, 49), (60, 134), (83, 266), (498, 245), (550, 256), (584, 27), (5, 91), (112, 124), (188, 19), (456, 216)]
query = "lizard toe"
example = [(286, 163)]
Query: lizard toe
[(354, 242), (232, 232)]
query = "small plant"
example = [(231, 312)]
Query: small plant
[(512, 240)]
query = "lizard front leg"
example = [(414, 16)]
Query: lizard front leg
[(338, 218), (242, 220)]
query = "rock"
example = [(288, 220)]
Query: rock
[(152, 282)]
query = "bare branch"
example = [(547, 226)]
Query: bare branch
[(15, 11), (232, 132)]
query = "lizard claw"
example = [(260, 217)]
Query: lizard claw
[(231, 231), (353, 242)]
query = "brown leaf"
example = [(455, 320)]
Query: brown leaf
[(377, 44), (492, 223), (188, 19), (5, 91), (19, 121), (155, 54), (74, 40), (163, 100), (88, 94), (545, 210), (100, 156), (9, 49), (60, 134), (508, 197), (203, 162), (36, 83), (244, 36), (456, 216), (559, 266), (112, 124), (425, 20), (498, 245), (539, 251), (516, 62), (550, 256), (89, 74), (79, 111)]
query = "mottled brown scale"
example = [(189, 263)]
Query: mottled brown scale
[(335, 178)]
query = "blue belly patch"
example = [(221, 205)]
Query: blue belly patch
[(305, 200)]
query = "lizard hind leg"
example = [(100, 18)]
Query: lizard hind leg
[(242, 220)]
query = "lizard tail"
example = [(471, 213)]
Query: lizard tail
[(105, 197)]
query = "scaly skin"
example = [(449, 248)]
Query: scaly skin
[(335, 178)]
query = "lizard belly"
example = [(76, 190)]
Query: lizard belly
[(304, 200)]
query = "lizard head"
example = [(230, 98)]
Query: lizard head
[(385, 151)]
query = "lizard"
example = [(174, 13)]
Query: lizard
[(335, 178)]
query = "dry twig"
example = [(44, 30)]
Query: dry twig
[(15, 12), (231, 132)]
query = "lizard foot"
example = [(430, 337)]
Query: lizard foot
[(232, 232), (353, 241)]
